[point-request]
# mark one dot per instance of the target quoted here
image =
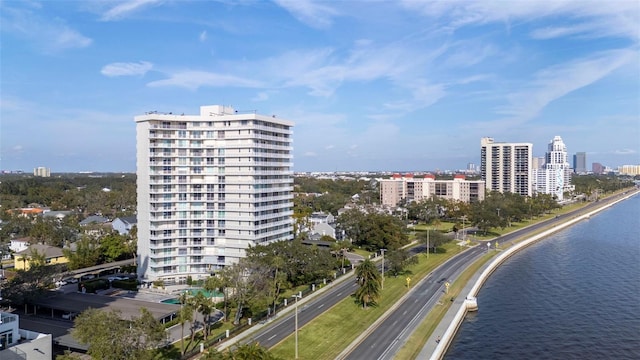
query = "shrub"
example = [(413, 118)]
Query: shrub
[(92, 286), (130, 284)]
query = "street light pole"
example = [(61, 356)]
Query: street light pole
[(296, 296), (382, 251)]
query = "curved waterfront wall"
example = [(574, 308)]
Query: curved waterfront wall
[(451, 330)]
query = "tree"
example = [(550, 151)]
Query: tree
[(250, 351), (109, 337), (114, 247), (184, 315), (433, 238), (398, 260), (369, 279), (87, 253)]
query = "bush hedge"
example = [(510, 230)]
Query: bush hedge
[(130, 284), (92, 286)]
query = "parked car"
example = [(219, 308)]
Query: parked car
[(113, 278), (69, 315), (61, 282), (70, 280)]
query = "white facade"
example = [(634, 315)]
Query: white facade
[(209, 186), (555, 176), (42, 172), (506, 167)]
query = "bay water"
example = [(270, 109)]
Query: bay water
[(574, 295)]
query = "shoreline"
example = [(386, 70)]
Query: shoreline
[(437, 345)]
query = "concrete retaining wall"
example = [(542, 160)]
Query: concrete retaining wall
[(450, 333)]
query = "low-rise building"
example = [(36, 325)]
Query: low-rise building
[(16, 343), (52, 255), (410, 188), (124, 224)]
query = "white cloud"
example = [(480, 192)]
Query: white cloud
[(47, 35), (125, 8), (310, 154), (596, 18), (193, 80), (309, 12), (559, 80), (126, 69), (329, 147), (625, 152), (203, 36)]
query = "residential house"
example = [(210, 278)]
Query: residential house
[(17, 245), (52, 255), (95, 225), (58, 214), (124, 224)]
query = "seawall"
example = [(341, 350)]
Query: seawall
[(456, 313)]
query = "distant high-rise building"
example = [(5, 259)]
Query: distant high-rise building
[(411, 188), (506, 167), (210, 186), (555, 176), (42, 171), (537, 162), (580, 162), (597, 168)]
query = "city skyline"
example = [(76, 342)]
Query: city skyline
[(370, 87)]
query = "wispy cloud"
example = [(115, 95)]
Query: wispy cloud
[(193, 80), (312, 13), (625, 152), (594, 18), (559, 80), (125, 8), (126, 69), (47, 35), (203, 36)]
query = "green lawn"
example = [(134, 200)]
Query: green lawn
[(333, 331)]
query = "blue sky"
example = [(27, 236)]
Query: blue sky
[(371, 85)]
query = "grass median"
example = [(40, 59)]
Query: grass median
[(330, 333)]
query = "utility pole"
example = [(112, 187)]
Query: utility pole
[(382, 251)]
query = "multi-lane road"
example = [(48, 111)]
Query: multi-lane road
[(386, 339)]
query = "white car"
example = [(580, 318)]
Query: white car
[(69, 316), (60, 283), (112, 278)]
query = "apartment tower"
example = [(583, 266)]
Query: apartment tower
[(555, 176), (210, 186), (506, 167)]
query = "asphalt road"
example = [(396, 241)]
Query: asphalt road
[(384, 341), (269, 336), (389, 336)]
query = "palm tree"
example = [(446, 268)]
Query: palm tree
[(369, 280), (185, 315)]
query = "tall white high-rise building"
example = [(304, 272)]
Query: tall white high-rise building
[(210, 186), (555, 176), (506, 167)]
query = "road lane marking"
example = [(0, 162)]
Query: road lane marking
[(272, 336)]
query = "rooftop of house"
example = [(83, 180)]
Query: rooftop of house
[(48, 251)]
